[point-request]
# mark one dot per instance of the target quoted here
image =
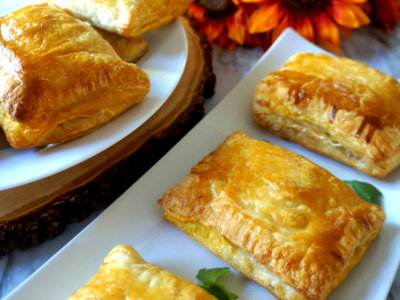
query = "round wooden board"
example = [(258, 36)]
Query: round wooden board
[(34, 212)]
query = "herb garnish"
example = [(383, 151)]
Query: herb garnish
[(366, 191), (209, 277)]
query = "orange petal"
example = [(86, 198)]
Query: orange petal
[(257, 1), (253, 40), (240, 16), (225, 42), (304, 27), (265, 18), (366, 7), (236, 31), (196, 12), (287, 21), (328, 46), (345, 14), (355, 1), (361, 16), (237, 25), (326, 29), (212, 30)]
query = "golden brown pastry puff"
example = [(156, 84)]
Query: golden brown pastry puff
[(128, 18), (129, 49), (335, 106), (124, 275), (59, 79), (275, 216)]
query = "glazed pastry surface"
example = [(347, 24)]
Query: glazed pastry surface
[(275, 216), (129, 49), (59, 78), (130, 18), (335, 106), (124, 275)]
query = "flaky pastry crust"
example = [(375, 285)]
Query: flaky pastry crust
[(275, 216), (129, 49), (125, 275), (130, 18), (335, 106), (59, 79)]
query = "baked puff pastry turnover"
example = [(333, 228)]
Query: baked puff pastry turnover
[(124, 275), (59, 79), (335, 106), (275, 216), (130, 18)]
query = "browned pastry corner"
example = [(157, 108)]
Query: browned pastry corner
[(335, 106), (124, 275), (59, 78), (130, 18), (129, 49), (275, 216)]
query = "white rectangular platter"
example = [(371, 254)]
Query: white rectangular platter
[(135, 218)]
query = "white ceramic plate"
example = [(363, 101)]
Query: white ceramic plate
[(164, 62), (135, 217)]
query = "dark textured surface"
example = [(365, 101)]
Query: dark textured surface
[(50, 220)]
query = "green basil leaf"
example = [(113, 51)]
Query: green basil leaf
[(209, 277), (219, 291), (366, 191)]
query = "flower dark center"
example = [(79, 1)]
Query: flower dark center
[(303, 5), (217, 8)]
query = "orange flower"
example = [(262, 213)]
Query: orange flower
[(260, 22), (319, 21)]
